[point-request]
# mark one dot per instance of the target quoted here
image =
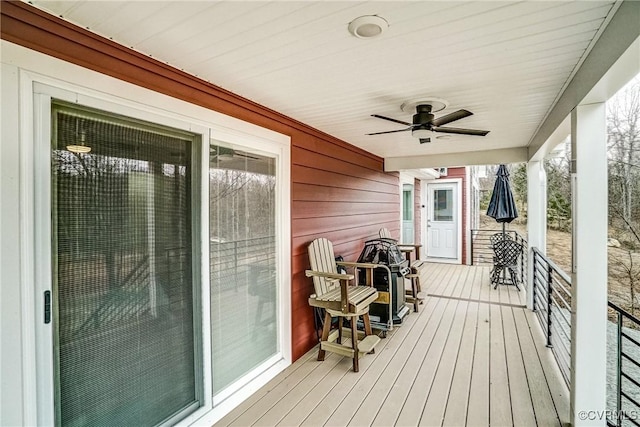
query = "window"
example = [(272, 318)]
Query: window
[(407, 203), (443, 205)]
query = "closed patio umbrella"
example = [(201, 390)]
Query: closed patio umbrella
[(502, 206)]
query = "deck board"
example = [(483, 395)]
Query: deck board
[(522, 406), (349, 385), (478, 407), (458, 397), (543, 406), (412, 410), (499, 396), (359, 407), (471, 356), (435, 405), (396, 401)]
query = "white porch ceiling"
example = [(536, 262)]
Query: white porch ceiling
[(507, 62)]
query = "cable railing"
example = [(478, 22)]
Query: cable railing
[(623, 367), (552, 305), (231, 261), (552, 298), (482, 250)]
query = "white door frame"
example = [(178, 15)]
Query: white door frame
[(122, 98), (426, 201)]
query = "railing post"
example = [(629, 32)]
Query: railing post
[(619, 373), (471, 247), (522, 259), (549, 303)]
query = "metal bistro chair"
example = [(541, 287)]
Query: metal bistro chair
[(506, 253), (495, 238)]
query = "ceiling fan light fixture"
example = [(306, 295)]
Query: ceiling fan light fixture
[(80, 147), (368, 26), (421, 133)]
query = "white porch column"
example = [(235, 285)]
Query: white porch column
[(536, 218), (589, 275)]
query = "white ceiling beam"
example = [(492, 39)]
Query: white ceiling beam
[(621, 33), (486, 157)]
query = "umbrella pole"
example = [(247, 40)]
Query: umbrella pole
[(504, 270)]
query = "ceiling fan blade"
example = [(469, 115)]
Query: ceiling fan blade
[(424, 140), (246, 156), (390, 131), (390, 119), (452, 117), (460, 131)]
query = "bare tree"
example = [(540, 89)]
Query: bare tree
[(623, 122)]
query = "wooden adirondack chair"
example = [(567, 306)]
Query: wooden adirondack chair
[(340, 299), (414, 296)]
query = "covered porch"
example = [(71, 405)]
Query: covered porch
[(472, 355)]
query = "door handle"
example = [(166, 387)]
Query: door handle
[(47, 307)]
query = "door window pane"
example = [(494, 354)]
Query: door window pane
[(443, 205), (122, 279), (407, 204), (243, 263)]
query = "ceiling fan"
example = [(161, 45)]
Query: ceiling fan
[(224, 153), (424, 122)]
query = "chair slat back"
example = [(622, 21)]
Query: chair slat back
[(385, 233), (321, 258), (499, 237), (507, 252)]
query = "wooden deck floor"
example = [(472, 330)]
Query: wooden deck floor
[(472, 356)]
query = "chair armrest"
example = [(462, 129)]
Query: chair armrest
[(358, 264), (409, 245), (336, 276)]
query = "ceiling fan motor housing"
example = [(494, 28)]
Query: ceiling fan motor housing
[(423, 115)]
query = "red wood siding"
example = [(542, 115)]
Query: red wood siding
[(338, 191), (461, 173), (342, 201)]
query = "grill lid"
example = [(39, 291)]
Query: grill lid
[(381, 251)]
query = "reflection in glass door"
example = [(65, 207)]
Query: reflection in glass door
[(123, 291), (244, 309)]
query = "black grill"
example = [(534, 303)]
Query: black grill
[(385, 251)]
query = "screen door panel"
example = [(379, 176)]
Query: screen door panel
[(122, 261)]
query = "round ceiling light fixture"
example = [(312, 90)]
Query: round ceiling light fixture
[(368, 26), (81, 147)]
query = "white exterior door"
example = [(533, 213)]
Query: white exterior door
[(442, 220)]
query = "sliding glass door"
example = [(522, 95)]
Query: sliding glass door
[(123, 295), (244, 292)]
